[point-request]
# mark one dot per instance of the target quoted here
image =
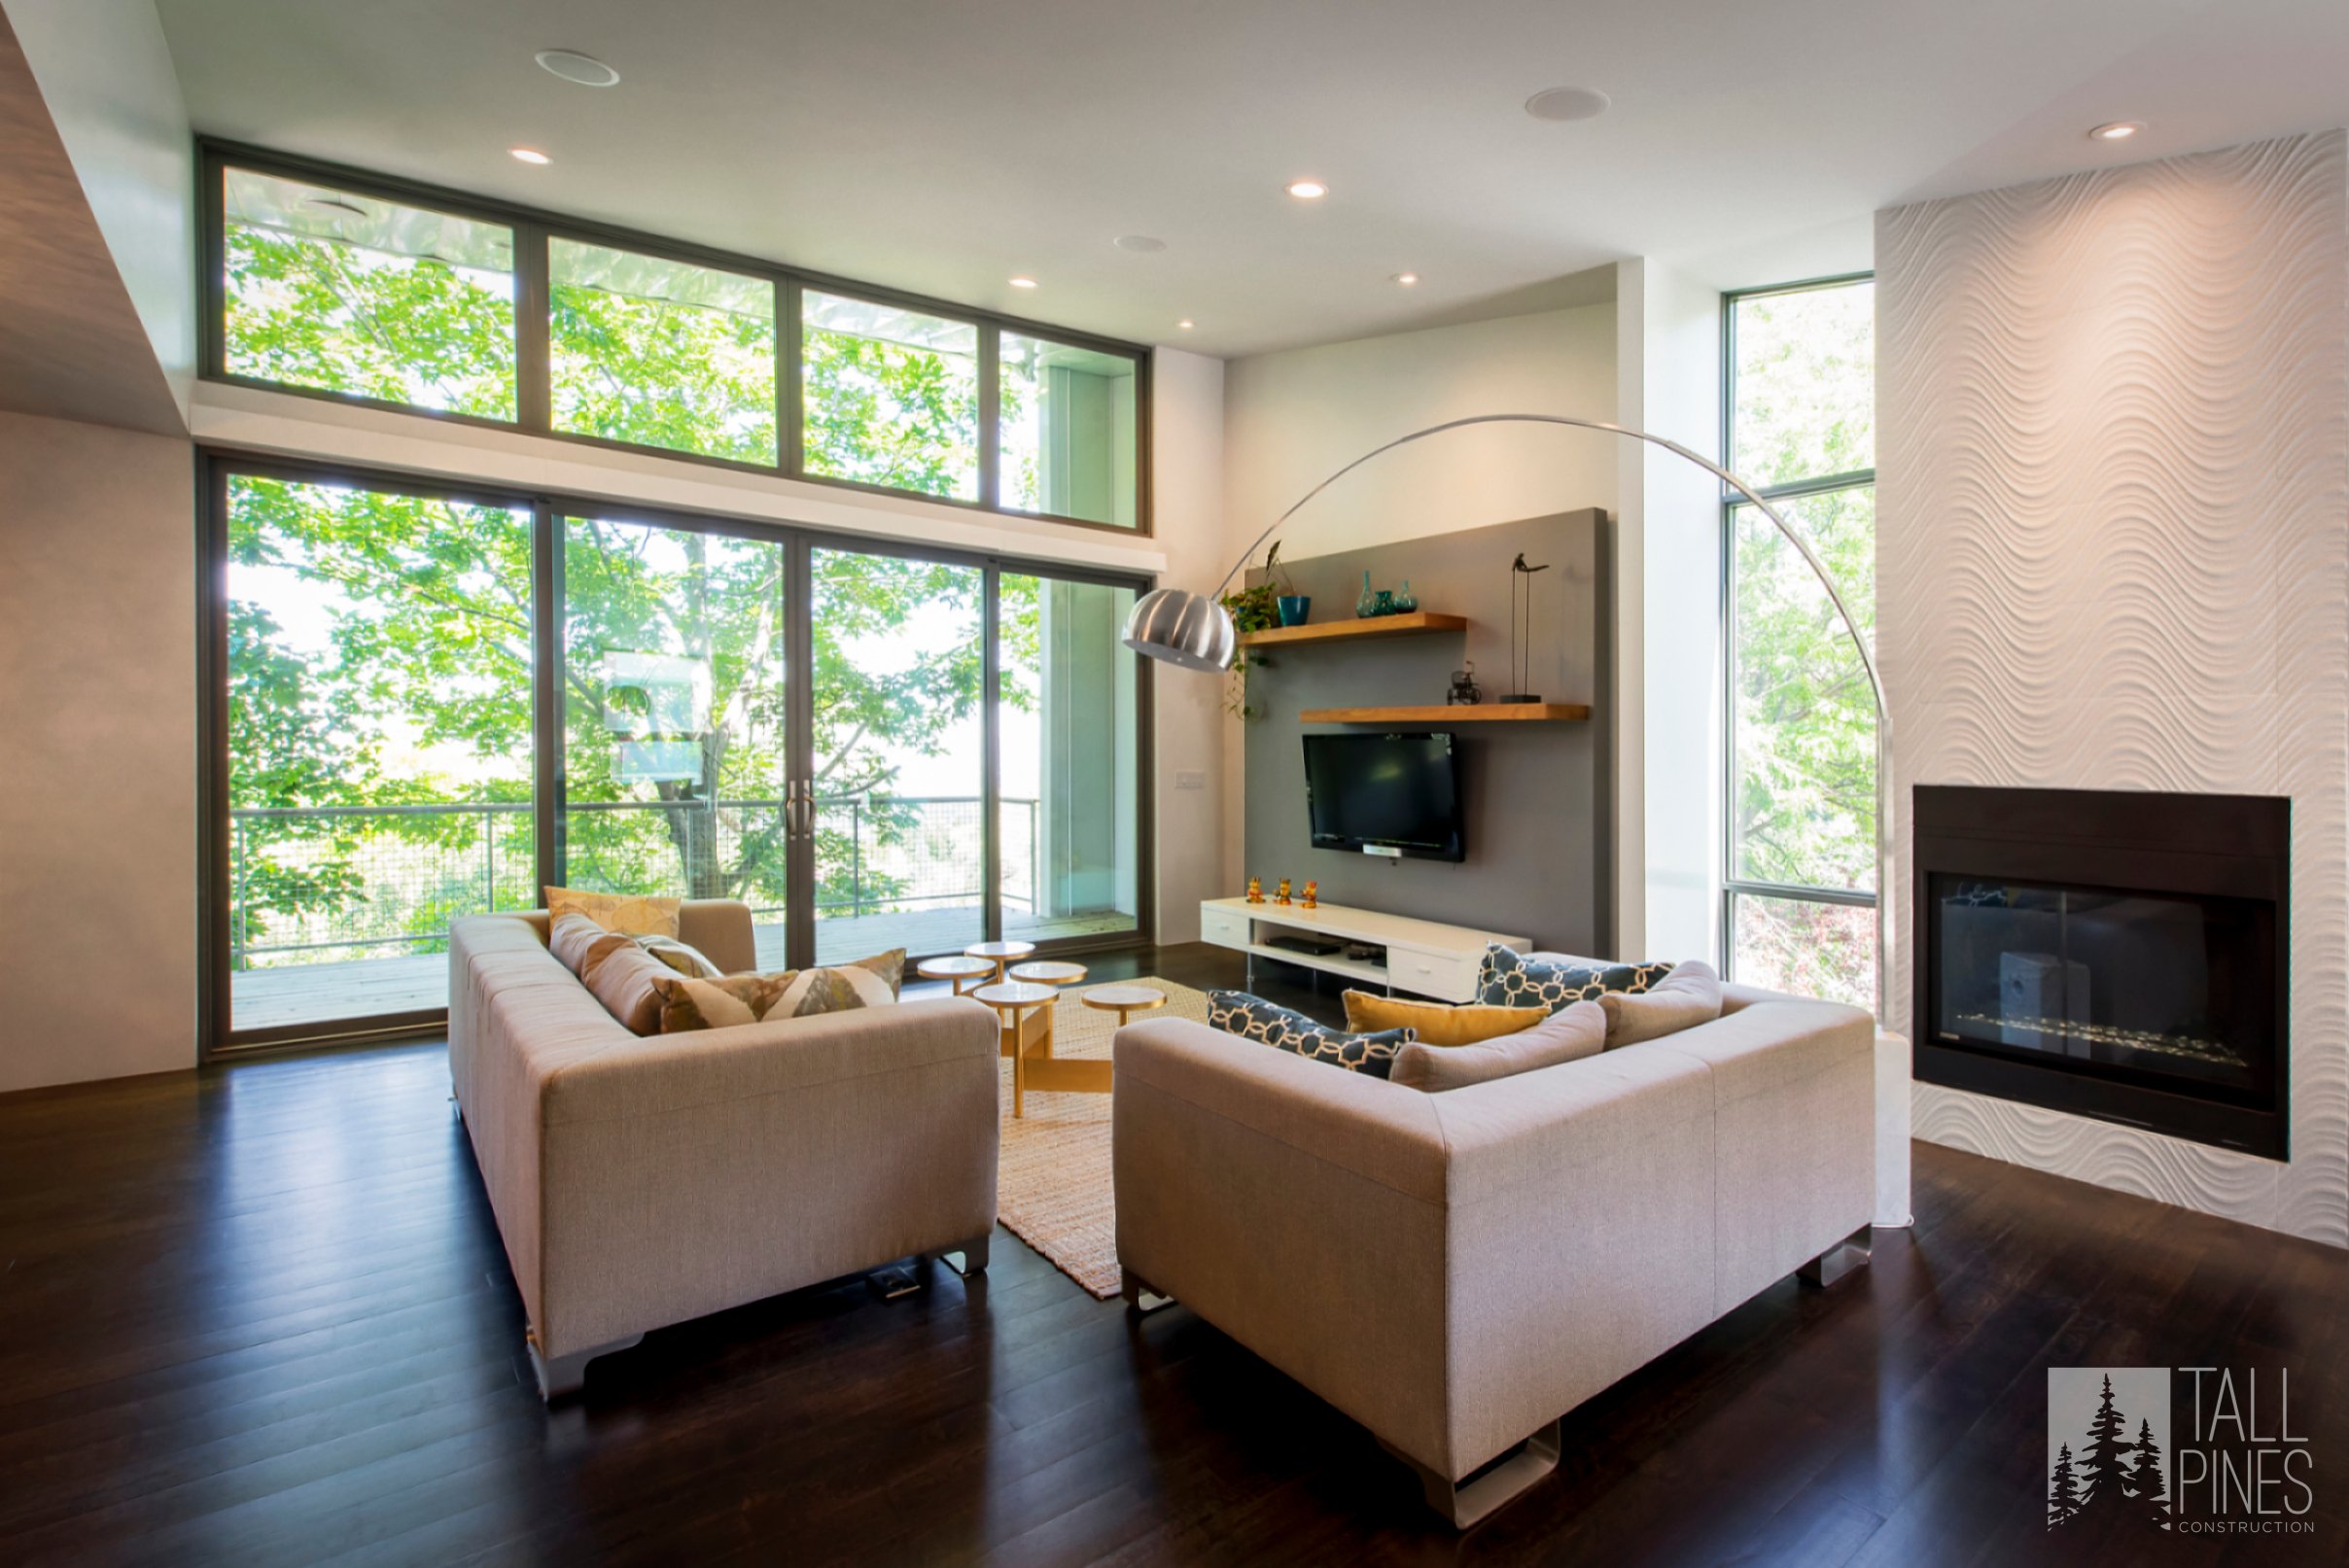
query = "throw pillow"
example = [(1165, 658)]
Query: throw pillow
[(1552, 980), (692, 1003), (1690, 996), (1435, 1024), (1577, 1030), (622, 980), (617, 911), (1252, 1018), (580, 944), (685, 960)]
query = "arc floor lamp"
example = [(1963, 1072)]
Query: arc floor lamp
[(1194, 630)]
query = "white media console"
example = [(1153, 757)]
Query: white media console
[(1421, 957)]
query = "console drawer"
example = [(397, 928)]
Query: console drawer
[(1445, 976), (1224, 927)]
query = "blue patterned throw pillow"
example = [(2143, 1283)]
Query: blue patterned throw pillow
[(1508, 978), (1236, 1012)]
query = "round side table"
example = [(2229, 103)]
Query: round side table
[(1045, 972), (1123, 1000), (998, 954), (964, 971), (1014, 1003)]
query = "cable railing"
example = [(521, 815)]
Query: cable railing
[(354, 881)]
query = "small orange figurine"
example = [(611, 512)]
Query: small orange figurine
[(1281, 898), (1312, 892), (1255, 890)]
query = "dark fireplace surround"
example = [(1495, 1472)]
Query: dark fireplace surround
[(2110, 953)]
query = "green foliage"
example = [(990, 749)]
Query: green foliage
[(425, 695), (890, 414), (1252, 610)]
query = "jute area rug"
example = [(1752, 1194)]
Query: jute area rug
[(1052, 1187)]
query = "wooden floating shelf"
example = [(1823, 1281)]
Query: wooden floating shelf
[(1512, 713), (1339, 631)]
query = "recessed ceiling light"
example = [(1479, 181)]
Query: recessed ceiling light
[(1023, 283), (1186, 324), (2119, 131), (1407, 279), (572, 66), (1142, 244), (530, 155), (1307, 190), (1568, 103)]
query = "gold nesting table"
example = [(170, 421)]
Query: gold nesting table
[(1024, 1001)]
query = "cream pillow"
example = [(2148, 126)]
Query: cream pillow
[(1568, 1035), (1435, 1023), (617, 911), (687, 1004), (686, 959), (1690, 996)]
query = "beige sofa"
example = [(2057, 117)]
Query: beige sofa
[(642, 1182), (1458, 1270)]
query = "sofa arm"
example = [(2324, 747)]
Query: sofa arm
[(682, 1174)]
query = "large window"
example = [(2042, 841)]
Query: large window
[(661, 353), (379, 743), (345, 292), (338, 282), (1801, 867), (435, 706)]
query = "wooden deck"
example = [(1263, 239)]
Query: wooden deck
[(328, 993)]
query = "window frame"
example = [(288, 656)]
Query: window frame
[(549, 507), (534, 227), (1733, 885)]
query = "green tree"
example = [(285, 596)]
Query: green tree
[(428, 605)]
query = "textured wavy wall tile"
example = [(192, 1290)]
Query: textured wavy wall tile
[(2112, 445)]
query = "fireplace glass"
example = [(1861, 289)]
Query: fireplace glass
[(2168, 991)]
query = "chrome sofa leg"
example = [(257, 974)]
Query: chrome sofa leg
[(1469, 1503), (1141, 1299), (973, 1255), (562, 1376), (1845, 1257)]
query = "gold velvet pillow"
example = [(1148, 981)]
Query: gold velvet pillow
[(1436, 1022), (688, 1004), (617, 911)]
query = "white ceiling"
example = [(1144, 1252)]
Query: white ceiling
[(944, 145)]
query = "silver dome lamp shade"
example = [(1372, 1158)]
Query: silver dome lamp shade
[(1183, 627)]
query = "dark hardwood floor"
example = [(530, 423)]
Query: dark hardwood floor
[(259, 1314)]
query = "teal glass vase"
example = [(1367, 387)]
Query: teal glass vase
[(1368, 604)]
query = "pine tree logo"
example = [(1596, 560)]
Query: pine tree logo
[(2111, 1477)]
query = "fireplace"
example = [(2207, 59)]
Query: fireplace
[(2114, 955)]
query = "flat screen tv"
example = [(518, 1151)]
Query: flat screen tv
[(1385, 794)]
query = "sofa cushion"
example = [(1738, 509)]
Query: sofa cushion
[(1551, 981), (692, 1002), (580, 944), (689, 961), (1252, 1018), (1572, 1033), (1435, 1024), (617, 911), (622, 980), (1690, 996)]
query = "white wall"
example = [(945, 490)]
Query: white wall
[(106, 75), (1669, 664), (1186, 467), (2113, 535), (1293, 418), (98, 702)]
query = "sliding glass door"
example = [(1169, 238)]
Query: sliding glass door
[(434, 706), (897, 764), (676, 727), (378, 740), (1068, 736)]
